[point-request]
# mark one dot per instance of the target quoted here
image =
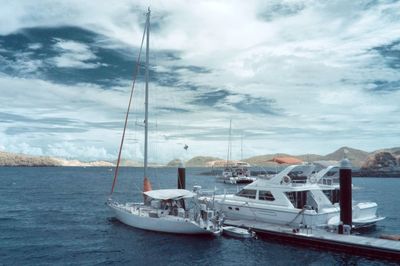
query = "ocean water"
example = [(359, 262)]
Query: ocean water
[(57, 216)]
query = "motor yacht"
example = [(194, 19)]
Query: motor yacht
[(296, 196)]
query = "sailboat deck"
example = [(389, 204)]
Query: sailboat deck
[(148, 211)]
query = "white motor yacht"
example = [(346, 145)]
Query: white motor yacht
[(293, 197)]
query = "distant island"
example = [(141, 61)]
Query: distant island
[(14, 159), (384, 162)]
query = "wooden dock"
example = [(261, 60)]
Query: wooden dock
[(319, 238)]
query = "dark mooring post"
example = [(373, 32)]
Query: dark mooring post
[(181, 177), (345, 196)]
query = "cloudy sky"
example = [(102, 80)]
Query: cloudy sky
[(294, 76)]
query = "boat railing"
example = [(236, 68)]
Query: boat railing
[(207, 193), (329, 181), (298, 183)]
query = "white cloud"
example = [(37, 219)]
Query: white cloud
[(22, 63), (35, 46), (74, 55), (71, 150)]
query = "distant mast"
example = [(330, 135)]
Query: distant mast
[(146, 102), (241, 147), (229, 155)]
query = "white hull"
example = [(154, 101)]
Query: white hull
[(166, 224), (237, 232), (293, 197), (364, 214), (284, 216), (236, 180)]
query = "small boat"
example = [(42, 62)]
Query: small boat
[(240, 180), (178, 211), (235, 172), (238, 232)]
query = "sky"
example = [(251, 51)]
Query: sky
[(293, 76)]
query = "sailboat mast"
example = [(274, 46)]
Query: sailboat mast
[(229, 155), (241, 147), (146, 102), (230, 139)]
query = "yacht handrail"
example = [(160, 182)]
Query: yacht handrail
[(323, 172), (278, 177)]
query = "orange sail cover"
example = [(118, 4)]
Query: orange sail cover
[(286, 160), (146, 185)]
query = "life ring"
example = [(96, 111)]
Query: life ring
[(286, 180), (312, 179)]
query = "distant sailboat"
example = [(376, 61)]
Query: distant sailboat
[(235, 172), (164, 210)]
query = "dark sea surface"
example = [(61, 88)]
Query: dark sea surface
[(57, 216)]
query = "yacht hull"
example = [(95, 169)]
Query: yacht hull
[(364, 214), (240, 211)]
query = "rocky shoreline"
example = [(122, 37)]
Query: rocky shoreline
[(377, 173), (21, 160), (380, 163)]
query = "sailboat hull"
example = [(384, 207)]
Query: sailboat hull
[(166, 224)]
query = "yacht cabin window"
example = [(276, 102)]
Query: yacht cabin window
[(265, 195), (333, 195), (302, 199), (247, 193)]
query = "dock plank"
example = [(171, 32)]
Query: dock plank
[(354, 244)]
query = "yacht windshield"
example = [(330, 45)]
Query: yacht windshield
[(247, 193), (265, 195)]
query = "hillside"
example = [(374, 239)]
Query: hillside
[(383, 160), (381, 163), (356, 157), (200, 161), (264, 160), (14, 159), (395, 151), (174, 163)]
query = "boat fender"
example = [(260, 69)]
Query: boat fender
[(286, 180)]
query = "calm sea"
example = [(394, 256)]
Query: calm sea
[(57, 216)]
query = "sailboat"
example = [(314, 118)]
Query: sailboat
[(177, 211), (235, 172)]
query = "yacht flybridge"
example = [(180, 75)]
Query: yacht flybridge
[(296, 196), (164, 210)]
